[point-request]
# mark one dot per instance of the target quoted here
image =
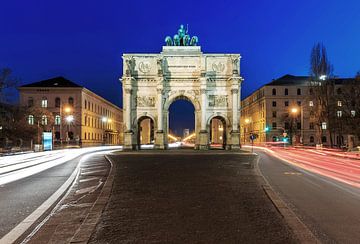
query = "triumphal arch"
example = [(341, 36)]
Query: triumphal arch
[(152, 82)]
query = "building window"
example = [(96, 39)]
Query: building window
[(339, 91), (85, 135), (71, 101), (44, 102), (30, 102), (57, 119), (311, 91), (274, 125), (286, 103), (312, 139), (31, 119), (339, 103), (299, 91), (339, 113), (353, 113), (287, 125), (274, 91), (57, 102), (311, 126), (323, 125), (323, 139), (44, 120), (274, 103), (299, 103), (274, 114), (311, 103), (286, 91), (298, 125)]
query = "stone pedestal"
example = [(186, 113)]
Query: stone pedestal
[(129, 142), (160, 140), (204, 140), (234, 140)]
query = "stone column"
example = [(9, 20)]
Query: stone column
[(129, 142), (235, 109), (235, 134), (160, 135), (204, 137)]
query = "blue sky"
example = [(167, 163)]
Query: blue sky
[(84, 40)]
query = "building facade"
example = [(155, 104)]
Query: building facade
[(284, 111), (74, 114)]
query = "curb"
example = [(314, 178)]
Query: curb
[(300, 230), (84, 232)]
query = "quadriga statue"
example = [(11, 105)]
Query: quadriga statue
[(181, 38)]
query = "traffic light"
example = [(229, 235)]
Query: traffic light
[(267, 129)]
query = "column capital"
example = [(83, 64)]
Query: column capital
[(234, 91), (128, 90)]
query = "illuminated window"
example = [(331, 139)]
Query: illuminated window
[(44, 102), (31, 119), (44, 120), (339, 114), (57, 119), (311, 103), (339, 103), (323, 125), (353, 113)]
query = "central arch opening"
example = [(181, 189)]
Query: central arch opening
[(181, 123)]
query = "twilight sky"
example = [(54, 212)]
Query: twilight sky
[(84, 40)]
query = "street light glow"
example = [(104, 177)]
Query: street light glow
[(322, 77), (247, 121), (69, 118), (67, 109), (294, 110)]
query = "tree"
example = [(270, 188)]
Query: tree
[(322, 87), (6, 82), (350, 97)]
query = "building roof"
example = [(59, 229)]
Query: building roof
[(302, 80), (53, 82), (289, 80)]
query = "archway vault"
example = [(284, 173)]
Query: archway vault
[(210, 82)]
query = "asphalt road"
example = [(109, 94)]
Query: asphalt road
[(20, 198), (330, 209), (188, 197)]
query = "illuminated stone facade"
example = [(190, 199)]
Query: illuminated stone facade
[(152, 82), (80, 117)]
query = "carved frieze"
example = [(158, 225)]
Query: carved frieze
[(218, 100), (145, 101)]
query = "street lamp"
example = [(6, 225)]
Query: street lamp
[(295, 111)]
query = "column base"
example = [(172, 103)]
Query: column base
[(160, 140), (129, 142), (204, 140), (234, 141)]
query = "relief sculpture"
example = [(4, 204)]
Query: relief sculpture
[(145, 101), (218, 101)]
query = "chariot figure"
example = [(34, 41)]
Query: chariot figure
[(182, 38)]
